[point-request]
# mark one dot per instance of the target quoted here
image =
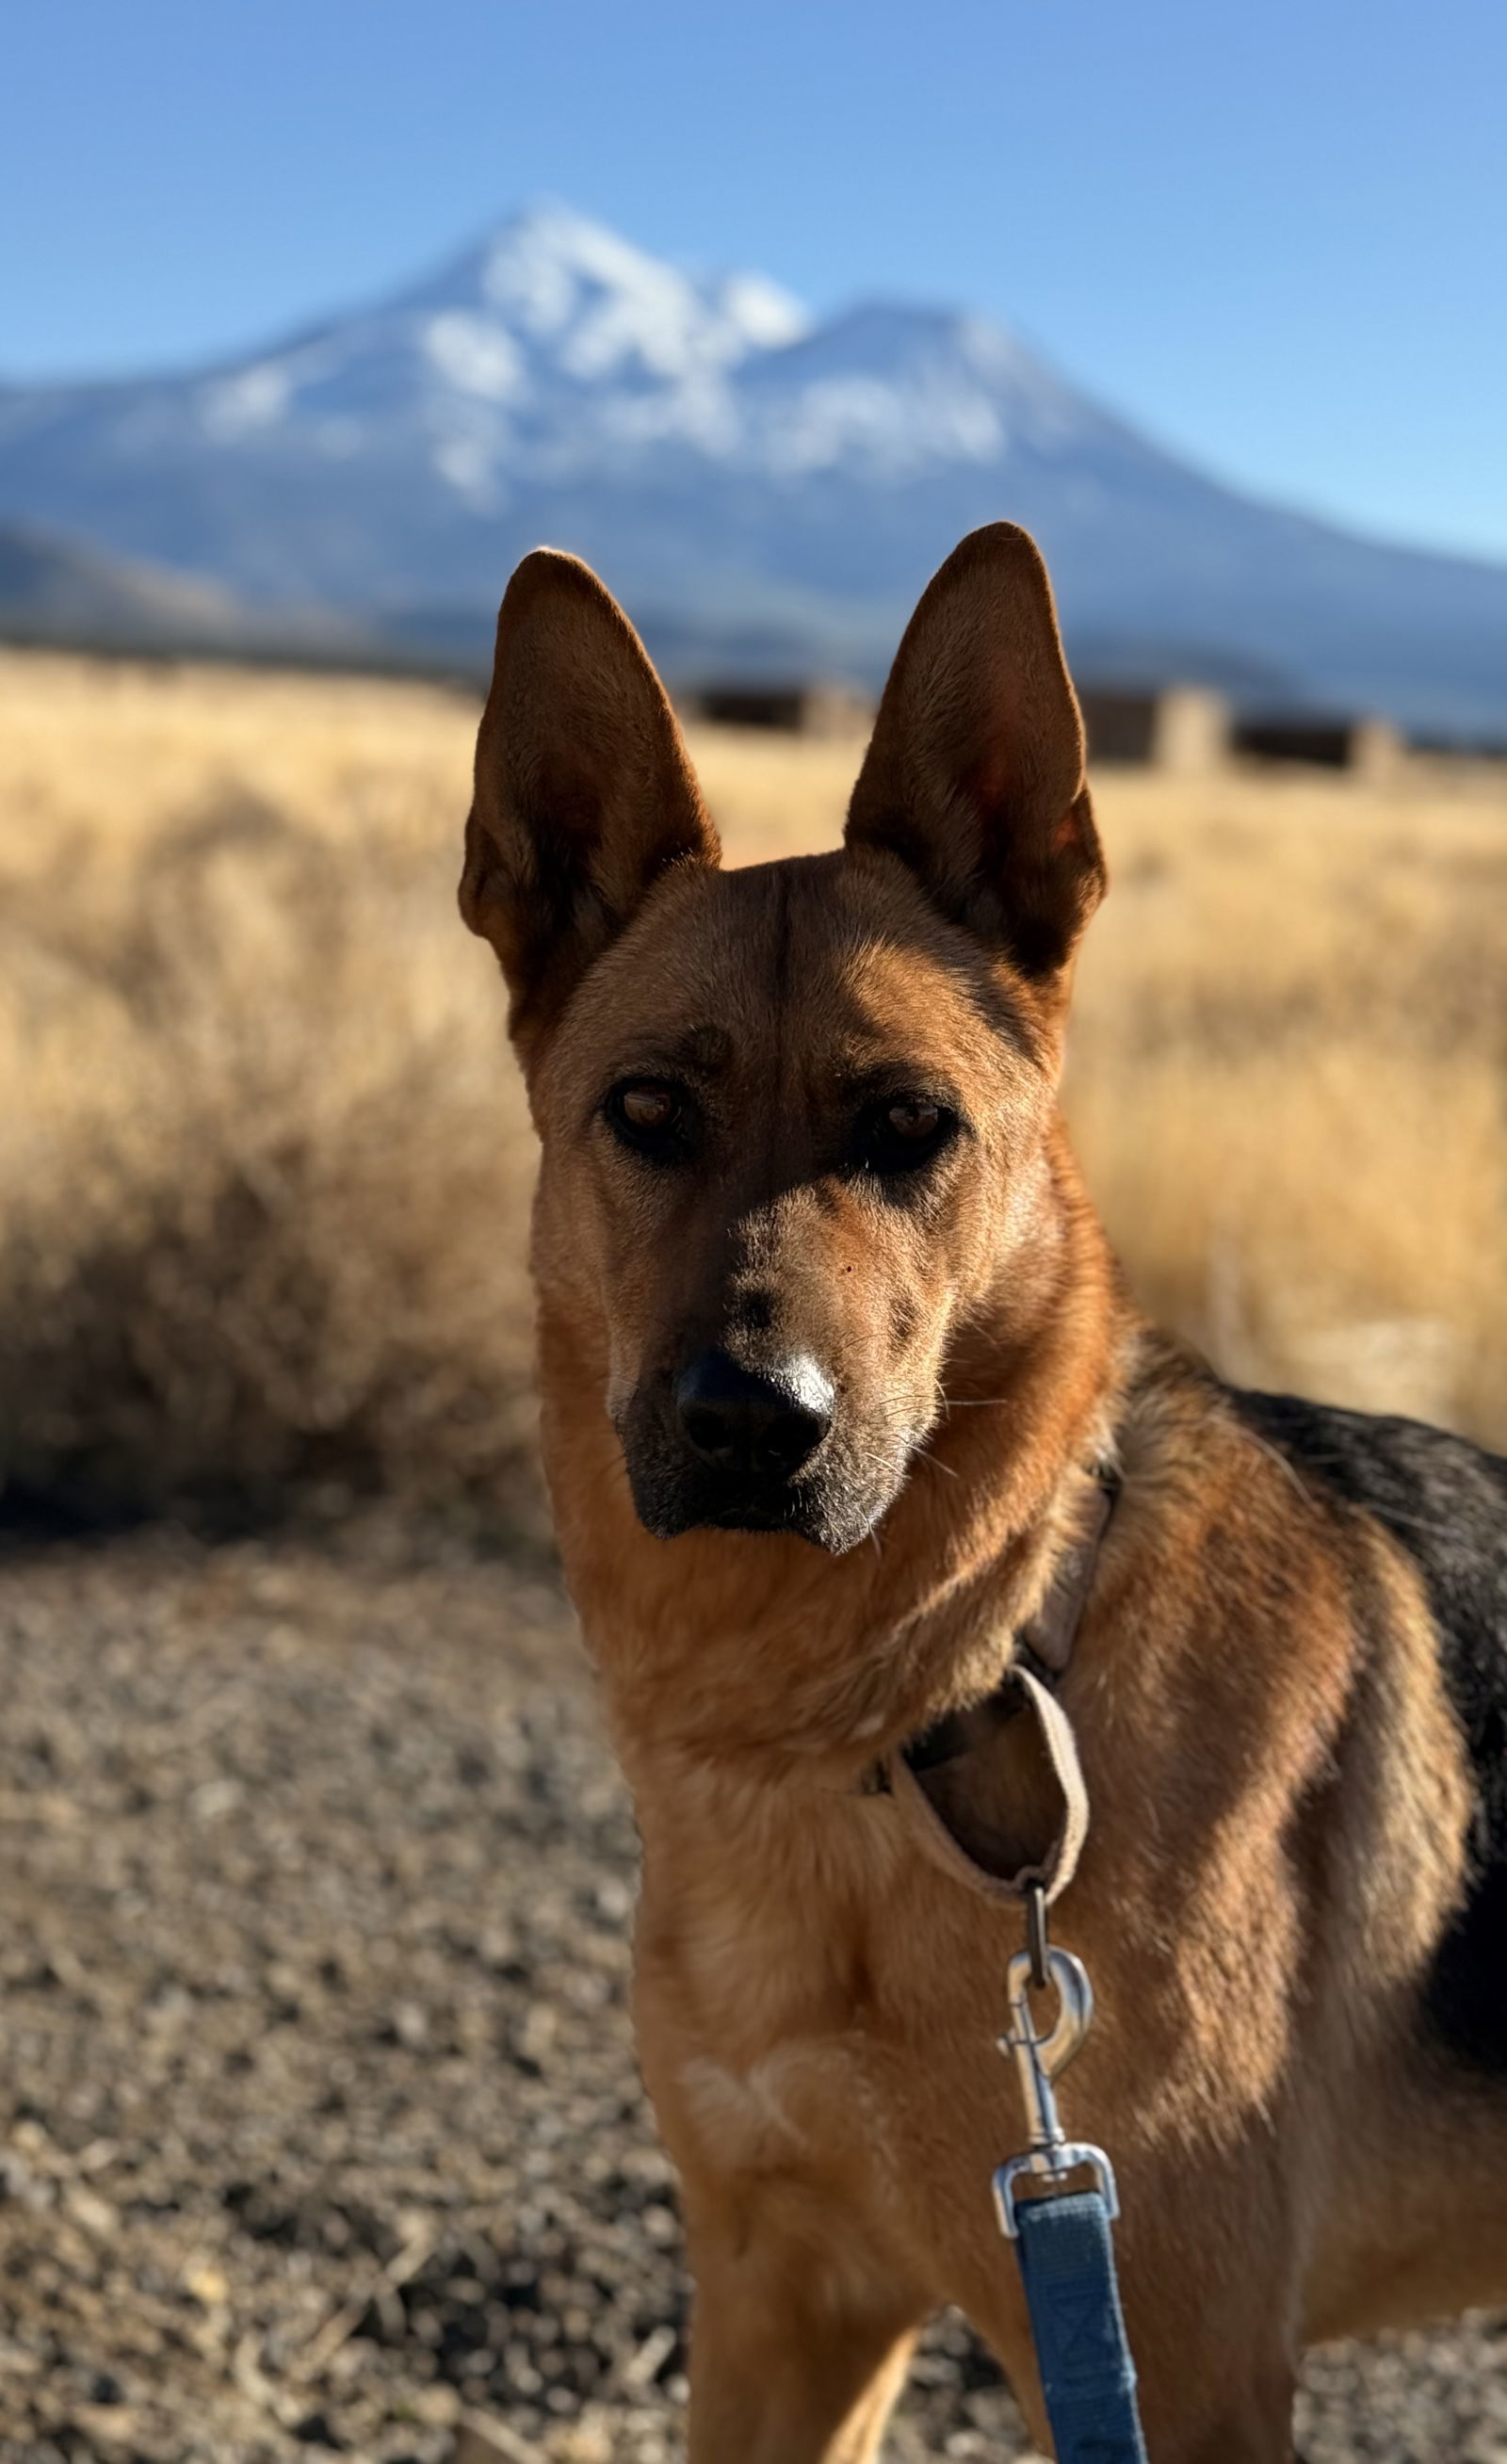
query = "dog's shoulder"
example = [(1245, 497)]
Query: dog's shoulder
[(1443, 1500), (1445, 1503)]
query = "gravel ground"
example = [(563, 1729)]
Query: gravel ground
[(321, 2130)]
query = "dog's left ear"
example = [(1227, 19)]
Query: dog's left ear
[(585, 792), (975, 772)]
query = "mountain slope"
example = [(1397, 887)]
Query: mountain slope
[(758, 490), (56, 591)]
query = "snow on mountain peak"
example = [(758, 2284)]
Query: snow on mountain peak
[(473, 356), (767, 315), (551, 317), (598, 307), (252, 398)]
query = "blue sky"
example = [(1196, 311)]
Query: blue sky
[(1275, 237)]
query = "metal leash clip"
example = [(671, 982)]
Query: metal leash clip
[(1039, 2060)]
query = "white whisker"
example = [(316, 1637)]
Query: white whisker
[(924, 1454)]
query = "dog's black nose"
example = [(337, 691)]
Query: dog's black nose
[(741, 1422)]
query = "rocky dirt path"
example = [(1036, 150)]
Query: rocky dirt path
[(318, 2124)]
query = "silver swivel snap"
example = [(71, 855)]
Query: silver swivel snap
[(1039, 2060)]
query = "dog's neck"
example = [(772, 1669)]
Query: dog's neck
[(760, 1647)]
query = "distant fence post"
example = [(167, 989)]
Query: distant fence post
[(1179, 728)]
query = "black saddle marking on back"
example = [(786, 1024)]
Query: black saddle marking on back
[(1445, 1502)]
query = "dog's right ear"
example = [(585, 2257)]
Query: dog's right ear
[(584, 794), (975, 776)]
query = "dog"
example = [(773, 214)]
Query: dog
[(835, 1366)]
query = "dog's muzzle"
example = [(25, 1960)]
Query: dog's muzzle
[(756, 1430), (729, 1448)]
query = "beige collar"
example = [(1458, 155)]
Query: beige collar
[(1041, 1651)]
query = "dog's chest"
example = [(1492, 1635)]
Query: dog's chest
[(764, 2061), (798, 2008)]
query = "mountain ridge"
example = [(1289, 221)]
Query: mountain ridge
[(757, 485)]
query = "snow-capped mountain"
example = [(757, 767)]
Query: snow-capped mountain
[(535, 355), (761, 490)]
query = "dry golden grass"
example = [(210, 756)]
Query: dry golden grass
[(264, 1160), (263, 1155)]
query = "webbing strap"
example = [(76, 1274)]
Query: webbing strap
[(1067, 2264), (1041, 1650), (1057, 1868)]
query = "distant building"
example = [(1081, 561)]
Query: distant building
[(1184, 731), (1179, 728), (817, 709), (1367, 748)]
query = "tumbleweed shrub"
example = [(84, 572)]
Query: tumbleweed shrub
[(265, 1163), (265, 1160)]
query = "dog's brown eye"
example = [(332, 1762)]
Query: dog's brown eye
[(902, 1133), (653, 1118)]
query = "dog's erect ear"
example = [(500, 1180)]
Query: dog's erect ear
[(584, 794), (975, 772)]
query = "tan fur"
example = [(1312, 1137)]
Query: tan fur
[(1279, 1787)]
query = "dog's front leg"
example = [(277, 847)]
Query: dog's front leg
[(1256, 2430), (799, 2349), (1212, 2399)]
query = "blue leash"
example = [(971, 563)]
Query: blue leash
[(1067, 2264), (1062, 2237)]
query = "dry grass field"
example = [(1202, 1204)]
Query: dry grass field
[(264, 1161)]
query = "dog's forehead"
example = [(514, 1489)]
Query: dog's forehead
[(826, 953)]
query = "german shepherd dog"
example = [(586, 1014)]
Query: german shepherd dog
[(833, 1350)]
